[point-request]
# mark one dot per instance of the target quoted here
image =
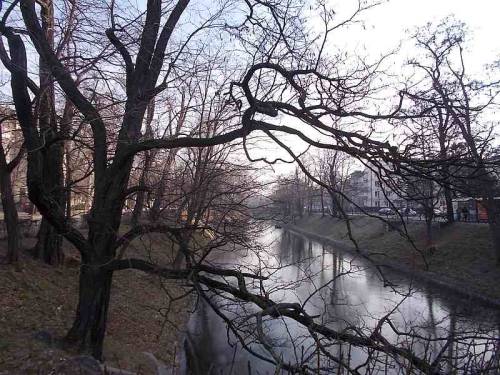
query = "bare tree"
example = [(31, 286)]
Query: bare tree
[(145, 170), (15, 153), (433, 137), (459, 103), (335, 168)]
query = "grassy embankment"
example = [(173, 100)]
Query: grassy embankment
[(37, 306), (463, 251)]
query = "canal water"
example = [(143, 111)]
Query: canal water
[(343, 291)]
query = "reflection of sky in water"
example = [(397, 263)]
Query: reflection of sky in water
[(356, 297)]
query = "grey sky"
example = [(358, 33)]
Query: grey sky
[(385, 26)]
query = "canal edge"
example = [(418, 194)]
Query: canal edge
[(461, 289)]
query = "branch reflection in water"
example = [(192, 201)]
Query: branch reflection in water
[(345, 293)]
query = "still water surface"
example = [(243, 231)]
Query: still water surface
[(353, 294)]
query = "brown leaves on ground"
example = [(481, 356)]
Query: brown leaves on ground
[(37, 306)]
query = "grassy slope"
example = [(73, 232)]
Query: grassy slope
[(42, 298), (463, 250)]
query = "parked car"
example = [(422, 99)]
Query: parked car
[(408, 212), (439, 213), (385, 211)]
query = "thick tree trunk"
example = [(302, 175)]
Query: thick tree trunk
[(443, 138), (10, 217), (159, 192), (89, 327), (429, 216), (159, 195), (154, 212), (138, 207), (49, 244), (141, 195), (67, 183), (9, 205), (335, 205), (148, 159)]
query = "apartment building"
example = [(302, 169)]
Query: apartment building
[(366, 190)]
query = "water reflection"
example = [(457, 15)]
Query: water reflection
[(347, 293)]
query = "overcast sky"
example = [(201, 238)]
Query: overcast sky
[(386, 24)]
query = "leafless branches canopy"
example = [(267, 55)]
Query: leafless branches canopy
[(163, 104)]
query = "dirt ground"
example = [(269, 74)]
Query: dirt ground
[(37, 304), (463, 251)]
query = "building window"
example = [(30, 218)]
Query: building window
[(376, 193), (377, 183)]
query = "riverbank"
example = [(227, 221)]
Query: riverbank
[(462, 260), (37, 306)]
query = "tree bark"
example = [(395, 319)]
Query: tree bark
[(10, 216), (139, 205), (450, 217), (67, 184), (141, 194), (154, 213), (335, 205), (89, 327), (159, 192), (148, 160), (49, 243), (9, 206)]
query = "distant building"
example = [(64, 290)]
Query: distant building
[(366, 190)]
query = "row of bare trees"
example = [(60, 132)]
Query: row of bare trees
[(447, 133), (456, 139)]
